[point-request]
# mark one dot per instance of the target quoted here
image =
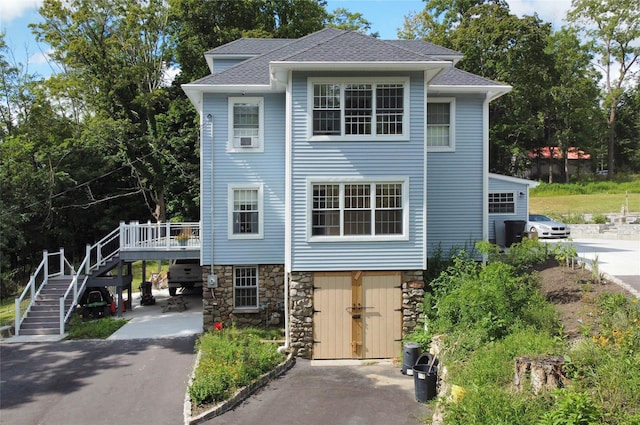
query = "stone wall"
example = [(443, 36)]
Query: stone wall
[(412, 298), (218, 303), (301, 313)]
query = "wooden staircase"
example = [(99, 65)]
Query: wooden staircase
[(44, 316)]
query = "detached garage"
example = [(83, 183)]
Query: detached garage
[(508, 201)]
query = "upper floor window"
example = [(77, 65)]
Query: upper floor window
[(440, 124), (359, 109), (246, 124), (245, 212), (502, 203), (359, 209)]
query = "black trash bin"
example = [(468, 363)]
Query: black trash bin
[(425, 378), (410, 357), (513, 231)]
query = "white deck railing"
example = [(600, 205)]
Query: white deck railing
[(132, 236), (150, 236)]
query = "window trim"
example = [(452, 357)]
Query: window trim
[(231, 147), (452, 124), (230, 201), (406, 116), (402, 180), (505, 192), (247, 309)]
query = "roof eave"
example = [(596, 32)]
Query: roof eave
[(277, 66), (493, 92), (194, 91)]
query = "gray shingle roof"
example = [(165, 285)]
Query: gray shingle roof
[(250, 46), (458, 77), (331, 45)]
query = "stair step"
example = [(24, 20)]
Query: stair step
[(39, 331)]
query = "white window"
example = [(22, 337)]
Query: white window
[(441, 124), (245, 212), (245, 287), (359, 110), (246, 124), (359, 210), (502, 203)]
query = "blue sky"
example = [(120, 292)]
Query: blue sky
[(386, 16)]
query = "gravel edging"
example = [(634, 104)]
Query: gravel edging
[(238, 397)]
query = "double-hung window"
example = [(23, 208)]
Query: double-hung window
[(441, 124), (245, 287), (359, 109), (359, 210), (246, 124), (502, 203), (245, 212)]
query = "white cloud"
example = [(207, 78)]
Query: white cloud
[(39, 58), (553, 11), (12, 9)]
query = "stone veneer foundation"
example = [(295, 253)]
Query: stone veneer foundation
[(221, 309), (271, 290)]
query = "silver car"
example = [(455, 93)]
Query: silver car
[(547, 227)]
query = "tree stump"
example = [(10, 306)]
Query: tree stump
[(542, 374)]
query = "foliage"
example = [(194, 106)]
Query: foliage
[(342, 19), (95, 329), (522, 256), (614, 28), (572, 408), (231, 358), (485, 303), (587, 188)]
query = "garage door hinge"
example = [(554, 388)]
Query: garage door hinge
[(397, 309), (398, 287), (317, 311), (397, 340), (315, 288), (316, 342)]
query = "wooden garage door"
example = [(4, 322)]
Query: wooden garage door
[(382, 314), (357, 315)]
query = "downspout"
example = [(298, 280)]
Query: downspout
[(485, 170), (287, 213)]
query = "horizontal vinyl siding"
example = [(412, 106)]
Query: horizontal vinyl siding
[(220, 65), (521, 203), (455, 184), (265, 167), (366, 160)]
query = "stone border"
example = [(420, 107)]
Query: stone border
[(238, 397)]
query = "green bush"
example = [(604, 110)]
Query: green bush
[(485, 302), (599, 219), (572, 408), (230, 359)]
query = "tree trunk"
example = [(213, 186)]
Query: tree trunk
[(544, 374), (611, 133)]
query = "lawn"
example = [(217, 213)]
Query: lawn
[(600, 203)]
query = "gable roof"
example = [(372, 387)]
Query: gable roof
[(269, 60)]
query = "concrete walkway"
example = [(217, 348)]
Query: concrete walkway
[(618, 260)]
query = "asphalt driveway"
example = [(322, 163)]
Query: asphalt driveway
[(138, 381), (324, 392)]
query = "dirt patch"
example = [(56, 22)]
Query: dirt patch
[(573, 291)]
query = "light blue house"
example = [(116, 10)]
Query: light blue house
[(332, 166)]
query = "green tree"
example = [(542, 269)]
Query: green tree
[(614, 27), (114, 54), (572, 118), (628, 130), (343, 19)]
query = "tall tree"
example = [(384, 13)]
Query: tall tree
[(614, 26), (114, 53)]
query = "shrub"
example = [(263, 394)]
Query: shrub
[(230, 359), (599, 219), (572, 408)]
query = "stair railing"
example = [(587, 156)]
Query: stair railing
[(96, 255), (46, 269)]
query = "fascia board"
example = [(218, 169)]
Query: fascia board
[(357, 66), (493, 92)]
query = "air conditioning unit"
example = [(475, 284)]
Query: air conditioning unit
[(246, 142)]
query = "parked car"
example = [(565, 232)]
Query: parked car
[(546, 227), (184, 274)]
